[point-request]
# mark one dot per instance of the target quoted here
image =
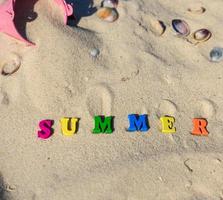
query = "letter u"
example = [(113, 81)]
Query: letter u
[(69, 126)]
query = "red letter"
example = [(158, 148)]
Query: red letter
[(46, 129), (200, 127)]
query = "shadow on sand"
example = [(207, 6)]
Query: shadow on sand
[(82, 8), (24, 13), (4, 195)]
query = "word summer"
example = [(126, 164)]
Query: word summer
[(105, 125)]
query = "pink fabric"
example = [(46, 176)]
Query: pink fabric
[(68, 9), (7, 25)]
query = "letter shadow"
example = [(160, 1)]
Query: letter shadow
[(52, 129)]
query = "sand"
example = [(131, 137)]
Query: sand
[(135, 72)]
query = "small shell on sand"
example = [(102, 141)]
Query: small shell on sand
[(108, 14), (202, 35), (109, 3), (157, 27), (216, 54), (11, 67), (181, 27), (196, 9), (95, 52)]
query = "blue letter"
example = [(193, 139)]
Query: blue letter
[(138, 123)]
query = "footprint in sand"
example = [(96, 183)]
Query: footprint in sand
[(99, 100), (166, 107), (4, 193), (200, 196), (205, 108), (4, 99), (191, 144)]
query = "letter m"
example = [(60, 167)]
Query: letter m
[(103, 124), (138, 123)]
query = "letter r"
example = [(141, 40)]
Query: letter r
[(200, 127)]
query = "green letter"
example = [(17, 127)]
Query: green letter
[(103, 124)]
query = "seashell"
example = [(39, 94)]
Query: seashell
[(108, 14), (202, 35), (95, 52), (157, 27), (196, 9), (109, 3), (11, 67), (181, 27), (216, 54)]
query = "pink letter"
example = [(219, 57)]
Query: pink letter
[(46, 129)]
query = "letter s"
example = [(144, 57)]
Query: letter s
[(46, 129)]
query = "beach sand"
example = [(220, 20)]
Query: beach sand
[(135, 72)]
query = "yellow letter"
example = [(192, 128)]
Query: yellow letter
[(168, 124), (69, 126)]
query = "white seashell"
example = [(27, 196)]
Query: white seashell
[(108, 14), (216, 54), (11, 67), (94, 52), (109, 3), (157, 27), (181, 27), (196, 9), (202, 35)]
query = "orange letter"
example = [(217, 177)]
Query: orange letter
[(200, 127)]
